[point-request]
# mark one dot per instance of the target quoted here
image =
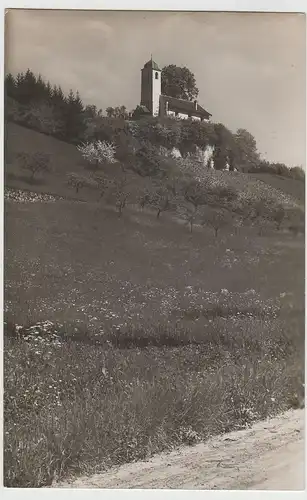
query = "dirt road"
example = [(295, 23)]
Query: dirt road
[(269, 456)]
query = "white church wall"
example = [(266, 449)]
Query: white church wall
[(183, 116), (156, 91)]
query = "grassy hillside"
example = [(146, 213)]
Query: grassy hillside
[(292, 187), (70, 243), (128, 336), (65, 159)]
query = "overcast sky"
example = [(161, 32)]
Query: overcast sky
[(249, 68)]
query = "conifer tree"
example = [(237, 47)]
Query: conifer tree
[(10, 86), (27, 88)]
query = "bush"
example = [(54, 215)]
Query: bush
[(148, 162)]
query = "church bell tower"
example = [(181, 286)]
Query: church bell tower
[(151, 87)]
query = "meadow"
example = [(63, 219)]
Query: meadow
[(126, 336)]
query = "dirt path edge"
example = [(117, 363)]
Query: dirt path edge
[(268, 456)]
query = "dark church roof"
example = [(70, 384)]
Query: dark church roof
[(144, 109), (186, 107), (152, 64)]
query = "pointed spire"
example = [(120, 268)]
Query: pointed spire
[(151, 64)]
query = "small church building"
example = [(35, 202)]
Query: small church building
[(155, 103)]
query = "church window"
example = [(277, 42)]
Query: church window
[(157, 75)]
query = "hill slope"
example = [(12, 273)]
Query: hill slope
[(65, 159), (292, 187)]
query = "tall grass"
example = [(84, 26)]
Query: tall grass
[(76, 408)]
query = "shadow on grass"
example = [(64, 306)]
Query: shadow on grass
[(36, 181), (218, 311), (212, 339)]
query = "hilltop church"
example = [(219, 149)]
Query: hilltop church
[(157, 104)]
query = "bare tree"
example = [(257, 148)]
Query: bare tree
[(189, 214), (144, 198), (121, 193), (78, 182), (103, 184), (34, 163)]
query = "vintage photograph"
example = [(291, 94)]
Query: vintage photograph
[(154, 244)]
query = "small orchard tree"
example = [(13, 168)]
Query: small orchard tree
[(278, 216), (296, 222), (163, 198), (194, 193), (117, 191), (244, 211), (261, 213), (144, 198), (217, 219), (78, 182), (189, 214), (121, 194), (35, 163), (103, 185), (98, 152)]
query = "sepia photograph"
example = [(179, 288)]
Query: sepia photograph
[(154, 250)]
